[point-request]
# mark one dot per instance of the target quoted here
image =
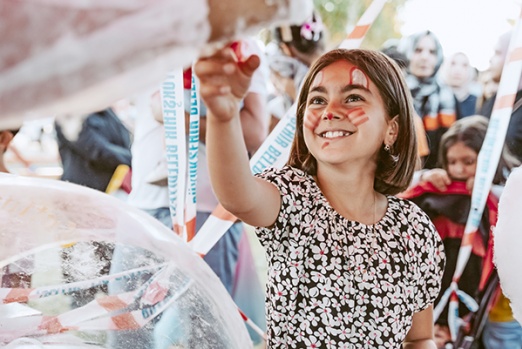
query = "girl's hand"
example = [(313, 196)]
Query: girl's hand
[(438, 177), (469, 183), (224, 81)]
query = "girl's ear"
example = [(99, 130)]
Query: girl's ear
[(392, 132)]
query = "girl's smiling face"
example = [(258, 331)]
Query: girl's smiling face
[(345, 116), (461, 162)]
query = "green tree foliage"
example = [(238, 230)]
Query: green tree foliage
[(340, 16)]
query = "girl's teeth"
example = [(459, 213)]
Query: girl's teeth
[(333, 134)]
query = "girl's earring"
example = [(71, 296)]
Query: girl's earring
[(387, 148)]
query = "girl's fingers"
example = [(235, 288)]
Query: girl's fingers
[(211, 67), (213, 90)]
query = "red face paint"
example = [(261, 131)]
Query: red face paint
[(311, 121), (357, 117)]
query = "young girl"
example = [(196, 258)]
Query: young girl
[(349, 265), (445, 195)]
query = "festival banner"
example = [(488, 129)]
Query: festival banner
[(192, 156), (174, 122)]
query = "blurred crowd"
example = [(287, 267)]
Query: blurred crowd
[(124, 144)]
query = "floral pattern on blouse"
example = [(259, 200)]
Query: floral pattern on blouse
[(336, 283)]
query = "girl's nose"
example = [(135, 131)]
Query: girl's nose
[(331, 116)]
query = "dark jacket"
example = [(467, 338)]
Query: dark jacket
[(103, 144), (514, 131)]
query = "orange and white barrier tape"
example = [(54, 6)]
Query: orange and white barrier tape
[(488, 161), (23, 295), (356, 36), (109, 312)]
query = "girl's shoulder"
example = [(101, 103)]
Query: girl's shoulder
[(286, 174), (404, 204), (408, 211)]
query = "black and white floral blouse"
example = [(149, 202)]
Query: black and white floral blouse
[(335, 283)]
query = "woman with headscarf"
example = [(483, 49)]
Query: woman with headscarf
[(434, 102)]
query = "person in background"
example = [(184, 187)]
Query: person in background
[(434, 102), (445, 195), (290, 53), (349, 264), (514, 131), (91, 148), (459, 75), (488, 88), (91, 152)]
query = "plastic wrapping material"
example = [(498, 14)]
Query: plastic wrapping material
[(150, 291), (77, 56)]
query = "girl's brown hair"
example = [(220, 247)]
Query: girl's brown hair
[(471, 131), (391, 176)]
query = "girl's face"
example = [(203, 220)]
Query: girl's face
[(345, 118), (424, 58), (462, 162)]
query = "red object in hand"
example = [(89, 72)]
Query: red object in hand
[(242, 50), (187, 78)]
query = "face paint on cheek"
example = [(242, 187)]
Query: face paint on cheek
[(357, 117), (359, 78), (311, 120)]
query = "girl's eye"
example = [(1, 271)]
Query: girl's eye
[(316, 100), (354, 98)]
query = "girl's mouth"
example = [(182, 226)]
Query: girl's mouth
[(335, 134)]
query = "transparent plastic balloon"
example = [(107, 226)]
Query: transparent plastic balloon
[(81, 269)]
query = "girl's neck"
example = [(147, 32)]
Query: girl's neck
[(351, 194)]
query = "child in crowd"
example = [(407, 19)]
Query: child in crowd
[(349, 264), (445, 194)]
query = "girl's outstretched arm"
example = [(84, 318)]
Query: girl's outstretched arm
[(224, 82)]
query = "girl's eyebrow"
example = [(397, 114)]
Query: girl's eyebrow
[(346, 88)]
